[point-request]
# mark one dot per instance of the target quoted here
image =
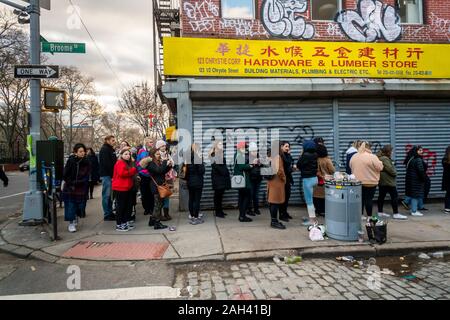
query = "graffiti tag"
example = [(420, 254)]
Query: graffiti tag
[(430, 158), (246, 28), (282, 20), (371, 21), (201, 15)]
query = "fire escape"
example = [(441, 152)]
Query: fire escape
[(166, 15)]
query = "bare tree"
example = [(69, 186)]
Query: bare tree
[(139, 102), (13, 92)]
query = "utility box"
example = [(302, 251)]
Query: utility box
[(50, 151), (343, 207)]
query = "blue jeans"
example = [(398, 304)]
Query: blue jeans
[(308, 187), (415, 203), (71, 208), (166, 203), (106, 196), (420, 205)]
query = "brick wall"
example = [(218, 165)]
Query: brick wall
[(202, 18)]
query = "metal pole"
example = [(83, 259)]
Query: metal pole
[(33, 204)]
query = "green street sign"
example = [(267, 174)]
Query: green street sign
[(61, 47)]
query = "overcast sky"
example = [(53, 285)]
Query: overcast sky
[(122, 30)]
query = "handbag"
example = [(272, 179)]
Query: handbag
[(237, 182), (163, 190)]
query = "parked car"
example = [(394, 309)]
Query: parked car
[(25, 166)]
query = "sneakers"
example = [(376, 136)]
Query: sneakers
[(72, 227), (417, 214), (308, 222), (158, 226), (196, 221), (122, 227), (405, 205), (447, 211), (399, 216), (130, 225), (382, 214), (220, 215), (251, 213), (257, 212), (423, 209)]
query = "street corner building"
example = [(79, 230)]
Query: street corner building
[(339, 69)]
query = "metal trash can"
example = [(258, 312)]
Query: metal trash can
[(343, 210)]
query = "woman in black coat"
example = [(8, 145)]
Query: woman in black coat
[(195, 172), (220, 177), (76, 181), (95, 171), (415, 179), (446, 179)]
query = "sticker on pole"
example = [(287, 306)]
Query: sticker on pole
[(36, 72)]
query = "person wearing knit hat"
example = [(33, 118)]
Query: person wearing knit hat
[(307, 165), (160, 143)]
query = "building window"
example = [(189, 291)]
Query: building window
[(238, 9), (325, 9), (410, 11)]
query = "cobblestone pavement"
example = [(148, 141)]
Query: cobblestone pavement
[(314, 279)]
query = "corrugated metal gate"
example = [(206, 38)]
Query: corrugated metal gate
[(363, 119), (295, 121), (419, 122), (425, 123)]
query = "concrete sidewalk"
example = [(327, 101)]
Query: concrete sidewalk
[(216, 239)]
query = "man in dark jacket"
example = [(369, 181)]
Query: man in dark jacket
[(107, 158), (415, 179), (3, 177)]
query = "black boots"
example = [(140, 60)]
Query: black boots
[(220, 215), (284, 217), (166, 214), (277, 225), (156, 224)]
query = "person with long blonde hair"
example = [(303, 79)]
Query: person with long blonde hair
[(367, 168)]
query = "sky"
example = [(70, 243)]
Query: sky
[(238, 9), (122, 31)]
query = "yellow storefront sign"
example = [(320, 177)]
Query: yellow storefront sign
[(304, 59)]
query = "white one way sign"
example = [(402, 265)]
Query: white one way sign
[(36, 72)]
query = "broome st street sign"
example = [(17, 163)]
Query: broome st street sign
[(36, 72), (61, 47)]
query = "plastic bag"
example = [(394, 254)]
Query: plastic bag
[(315, 234)]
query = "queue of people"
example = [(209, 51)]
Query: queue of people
[(149, 169)]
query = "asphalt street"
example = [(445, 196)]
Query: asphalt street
[(11, 197)]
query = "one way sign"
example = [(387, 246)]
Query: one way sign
[(36, 72)]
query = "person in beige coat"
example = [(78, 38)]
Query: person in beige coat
[(276, 190), (367, 168)]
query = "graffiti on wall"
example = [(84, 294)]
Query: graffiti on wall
[(372, 21), (282, 19), (244, 27), (437, 25), (430, 158), (201, 15)]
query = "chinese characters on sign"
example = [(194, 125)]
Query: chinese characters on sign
[(253, 58)]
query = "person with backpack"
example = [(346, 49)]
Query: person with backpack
[(122, 185), (446, 179), (76, 183), (220, 177), (147, 197), (388, 183), (195, 172), (324, 167), (351, 151), (307, 164)]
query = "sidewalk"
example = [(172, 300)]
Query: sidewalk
[(216, 239)]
